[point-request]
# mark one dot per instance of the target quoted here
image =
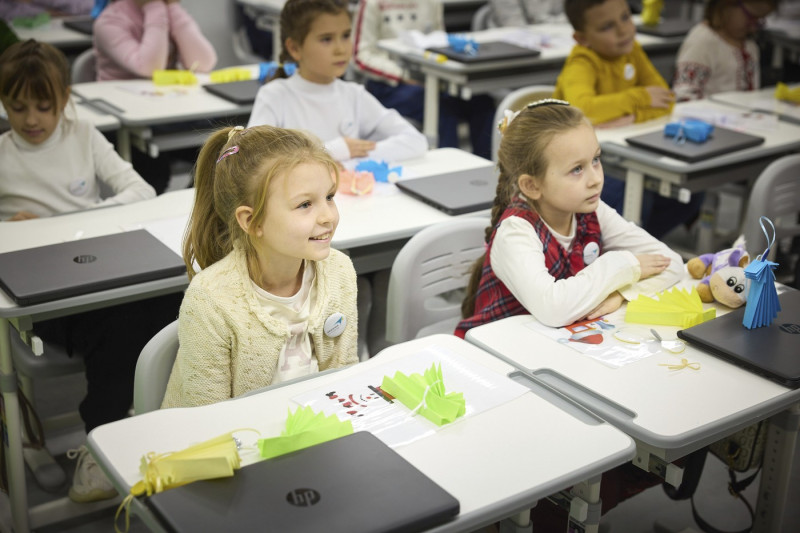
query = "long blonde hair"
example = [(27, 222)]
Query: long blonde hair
[(522, 151), (235, 168)]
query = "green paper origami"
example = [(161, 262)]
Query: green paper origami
[(425, 394), (33, 21), (304, 428), (675, 307)]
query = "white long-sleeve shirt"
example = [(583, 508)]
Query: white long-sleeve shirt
[(334, 111), (64, 173), (517, 258)]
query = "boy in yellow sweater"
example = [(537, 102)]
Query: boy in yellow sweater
[(610, 78), (608, 75)]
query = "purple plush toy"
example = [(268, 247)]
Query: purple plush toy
[(721, 275)]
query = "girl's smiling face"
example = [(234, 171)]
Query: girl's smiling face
[(33, 120)]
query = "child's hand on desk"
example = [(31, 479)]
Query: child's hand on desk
[(652, 264), (627, 120), (612, 302), (359, 147), (660, 97), (22, 215)]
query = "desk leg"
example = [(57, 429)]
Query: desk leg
[(589, 492), (776, 472), (124, 143), (634, 191), (17, 493), (430, 118)]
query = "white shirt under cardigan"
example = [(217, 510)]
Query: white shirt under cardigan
[(517, 258), (334, 111), (64, 173)]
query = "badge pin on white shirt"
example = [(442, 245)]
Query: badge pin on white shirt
[(334, 325), (590, 252), (78, 187), (629, 72)]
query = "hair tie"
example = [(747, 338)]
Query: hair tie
[(233, 131), (229, 151)]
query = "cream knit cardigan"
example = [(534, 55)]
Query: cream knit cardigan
[(229, 345)]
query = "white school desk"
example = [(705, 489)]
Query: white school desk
[(496, 463), (140, 104), (56, 34), (763, 101), (371, 229), (463, 79), (741, 165), (669, 413)]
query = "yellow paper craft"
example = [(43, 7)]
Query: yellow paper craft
[(214, 458), (230, 74), (304, 428), (674, 307), (426, 395), (651, 11), (785, 94), (174, 77)]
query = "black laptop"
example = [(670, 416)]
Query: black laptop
[(667, 28), (488, 51), (239, 92), (455, 193), (722, 141), (354, 484), (72, 268), (80, 24), (772, 351)]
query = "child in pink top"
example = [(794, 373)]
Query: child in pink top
[(132, 38)]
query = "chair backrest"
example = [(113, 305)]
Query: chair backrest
[(153, 369), (481, 18), (776, 195), (84, 67), (428, 277), (514, 102)]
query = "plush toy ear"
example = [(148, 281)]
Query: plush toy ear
[(729, 286)]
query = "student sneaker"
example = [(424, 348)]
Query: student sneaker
[(89, 483)]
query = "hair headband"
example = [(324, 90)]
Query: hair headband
[(509, 115)]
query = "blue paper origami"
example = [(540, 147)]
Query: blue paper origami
[(379, 169), (762, 300), (693, 130), (459, 42)]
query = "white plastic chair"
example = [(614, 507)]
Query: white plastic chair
[(776, 195), (428, 277), (153, 369), (84, 68), (482, 17), (514, 102)]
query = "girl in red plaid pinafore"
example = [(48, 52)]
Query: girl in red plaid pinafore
[(548, 224)]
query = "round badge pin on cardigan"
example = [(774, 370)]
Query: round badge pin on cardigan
[(629, 72), (590, 252), (334, 325)]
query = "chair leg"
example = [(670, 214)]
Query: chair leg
[(48, 473)]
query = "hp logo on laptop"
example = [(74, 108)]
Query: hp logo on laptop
[(791, 328), (303, 497), (85, 259)]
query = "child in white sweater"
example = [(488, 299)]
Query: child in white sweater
[(351, 122), (51, 164)]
